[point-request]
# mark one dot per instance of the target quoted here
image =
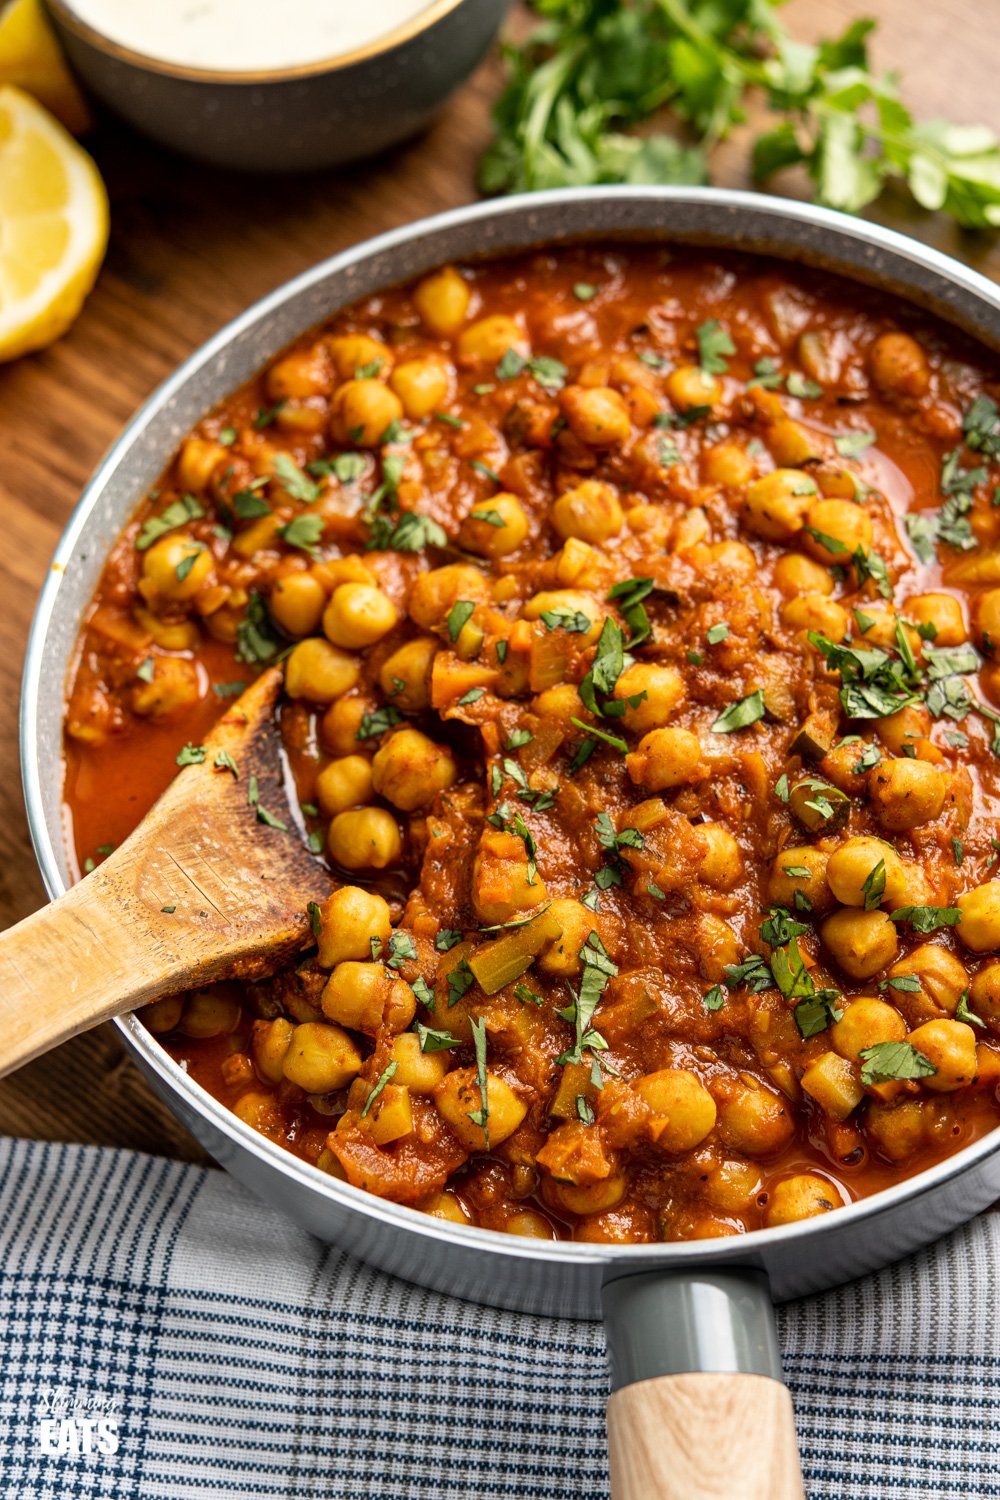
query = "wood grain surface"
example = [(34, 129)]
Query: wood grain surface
[(190, 247), (663, 1439)]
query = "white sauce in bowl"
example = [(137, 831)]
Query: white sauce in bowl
[(238, 36)]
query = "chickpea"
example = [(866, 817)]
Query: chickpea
[(411, 769), (689, 386), (899, 366), (898, 1127), (979, 928), (175, 687), (665, 758), (321, 1058), (171, 635), (342, 723), (442, 300), (419, 1071), (865, 1023), (367, 996), (569, 601), (351, 352), (722, 866), (944, 612), (261, 1112), (683, 1111), (733, 1185), (716, 945), (792, 444), (984, 994), (590, 1197), (795, 574), (409, 665), (599, 417), (501, 888), (434, 592), (664, 690), (486, 342), (904, 727), (850, 870), (423, 386), (754, 1120), (494, 527), (728, 464), (590, 513), (861, 942), (882, 630), (801, 1197), (942, 977), (906, 793), (800, 868), (987, 615), (816, 612), (576, 563), (776, 505), (562, 955), (457, 1096), (358, 615), (319, 671), (162, 1016), (269, 1044), (174, 569), (530, 1225), (197, 462), (365, 838), (297, 376), (297, 602), (845, 523), (951, 1047), (209, 1013), (362, 411), (349, 919), (344, 783)]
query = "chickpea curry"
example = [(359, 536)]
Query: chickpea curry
[(638, 610)]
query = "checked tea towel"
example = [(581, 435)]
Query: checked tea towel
[(213, 1350)]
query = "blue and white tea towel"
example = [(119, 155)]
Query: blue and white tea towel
[(164, 1335)]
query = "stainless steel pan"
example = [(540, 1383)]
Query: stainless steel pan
[(678, 1315)]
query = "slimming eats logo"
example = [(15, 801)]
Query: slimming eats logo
[(75, 1424)]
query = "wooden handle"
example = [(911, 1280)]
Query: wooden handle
[(203, 890), (704, 1437)]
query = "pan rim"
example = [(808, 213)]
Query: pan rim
[(948, 276)]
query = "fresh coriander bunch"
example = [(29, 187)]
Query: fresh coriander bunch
[(593, 69)]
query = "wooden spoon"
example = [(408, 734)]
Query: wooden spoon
[(204, 889)]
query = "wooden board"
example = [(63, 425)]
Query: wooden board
[(190, 247)]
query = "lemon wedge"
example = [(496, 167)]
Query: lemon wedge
[(31, 58), (53, 225)]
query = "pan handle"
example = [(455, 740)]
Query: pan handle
[(698, 1409)]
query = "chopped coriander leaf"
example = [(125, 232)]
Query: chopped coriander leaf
[(526, 996), (957, 850), (298, 484), (906, 983), (593, 731), (963, 1013), (517, 738), (89, 865), (832, 544), (581, 755), (378, 722), (482, 468), (584, 1112), (412, 532), (927, 918), (606, 668), (716, 633), (481, 1116), (266, 415), (461, 611), (472, 696), (224, 762), (187, 562), (851, 444), (767, 373), (191, 755), (695, 658), (802, 387), (583, 291), (550, 373), (263, 816), (387, 1073), (448, 419), (179, 513), (873, 886), (483, 389), (511, 365), (491, 517), (145, 671), (460, 980), (714, 345), (315, 918), (304, 532), (227, 436), (435, 1041), (713, 999), (887, 1061), (781, 788), (169, 910), (815, 1013), (228, 689), (248, 505), (447, 938), (401, 947), (502, 649), (740, 715), (565, 619), (255, 637)]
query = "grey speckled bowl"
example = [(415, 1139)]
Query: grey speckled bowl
[(296, 119)]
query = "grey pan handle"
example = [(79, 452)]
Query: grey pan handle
[(698, 1409)]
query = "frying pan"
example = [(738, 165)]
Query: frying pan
[(694, 1357)]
